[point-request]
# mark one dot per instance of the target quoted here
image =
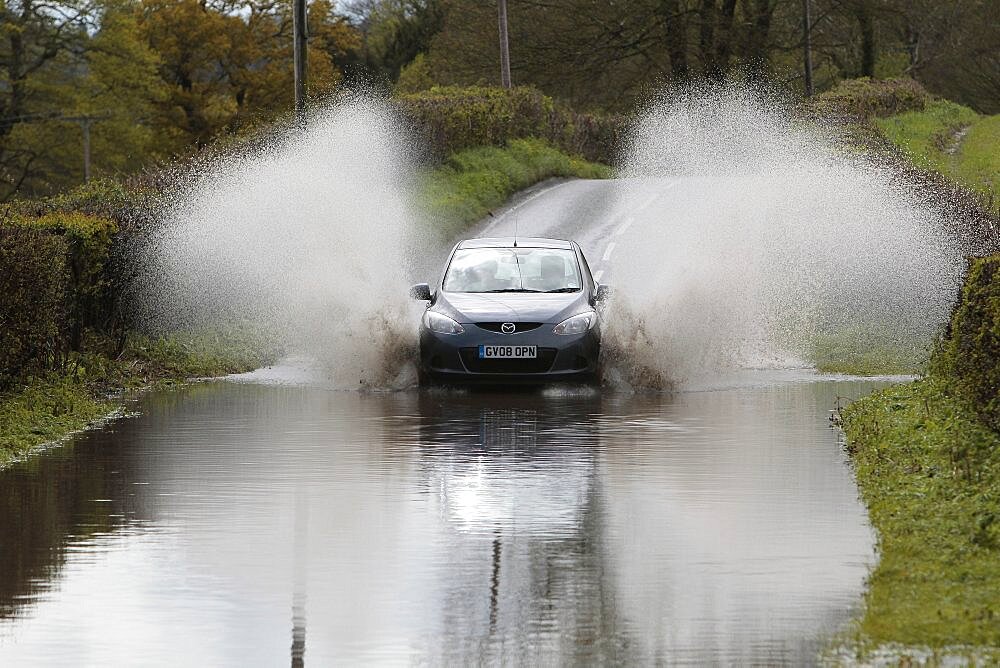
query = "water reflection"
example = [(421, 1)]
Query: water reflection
[(56, 506), (268, 525), (516, 468), (514, 478)]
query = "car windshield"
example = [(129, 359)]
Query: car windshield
[(513, 270)]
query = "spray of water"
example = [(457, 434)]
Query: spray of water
[(755, 242), (305, 239)]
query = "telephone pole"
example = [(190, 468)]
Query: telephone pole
[(504, 49), (85, 124), (85, 121), (807, 46), (300, 39)]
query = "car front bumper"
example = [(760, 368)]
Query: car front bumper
[(453, 358)]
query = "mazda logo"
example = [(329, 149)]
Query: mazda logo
[(507, 328)]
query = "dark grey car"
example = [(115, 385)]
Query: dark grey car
[(511, 312)]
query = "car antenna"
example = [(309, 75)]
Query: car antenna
[(515, 229)]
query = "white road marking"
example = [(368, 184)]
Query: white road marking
[(607, 253), (624, 226), (598, 274), (650, 200), (503, 216)]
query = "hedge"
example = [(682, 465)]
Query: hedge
[(60, 278), (866, 98), (970, 352), (455, 118), (33, 280)]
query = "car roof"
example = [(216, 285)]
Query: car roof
[(508, 242)]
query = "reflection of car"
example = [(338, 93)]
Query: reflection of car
[(519, 466), (511, 311)]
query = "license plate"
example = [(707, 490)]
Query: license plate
[(507, 352)]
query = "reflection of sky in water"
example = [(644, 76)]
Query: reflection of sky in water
[(433, 527)]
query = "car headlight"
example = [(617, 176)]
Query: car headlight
[(441, 324), (578, 324)]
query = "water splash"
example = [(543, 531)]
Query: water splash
[(756, 242), (305, 239)]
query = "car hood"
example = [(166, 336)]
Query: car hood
[(468, 307)]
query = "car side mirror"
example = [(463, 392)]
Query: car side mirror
[(421, 291), (603, 293)]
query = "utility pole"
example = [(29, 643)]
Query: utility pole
[(301, 36), (85, 124), (806, 41), (504, 49)]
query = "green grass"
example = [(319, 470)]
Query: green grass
[(197, 355), (929, 472), (867, 352), (928, 138), (830, 355), (474, 181), (979, 159), (44, 408)]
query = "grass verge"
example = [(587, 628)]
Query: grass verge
[(954, 141), (474, 181), (44, 408), (929, 472), (867, 352), (979, 164)]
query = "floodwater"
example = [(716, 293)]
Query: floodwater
[(234, 524)]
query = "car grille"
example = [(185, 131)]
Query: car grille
[(541, 364), (520, 326)]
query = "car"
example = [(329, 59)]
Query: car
[(512, 310)]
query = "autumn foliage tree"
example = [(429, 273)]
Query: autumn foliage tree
[(160, 78), (82, 59), (163, 78), (229, 64)]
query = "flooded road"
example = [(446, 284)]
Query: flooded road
[(255, 524)]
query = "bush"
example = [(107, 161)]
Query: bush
[(866, 98), (128, 205), (455, 118), (92, 297), (970, 353), (32, 299), (60, 279), (416, 76)]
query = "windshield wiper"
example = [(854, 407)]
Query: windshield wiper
[(512, 290), (564, 290)]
